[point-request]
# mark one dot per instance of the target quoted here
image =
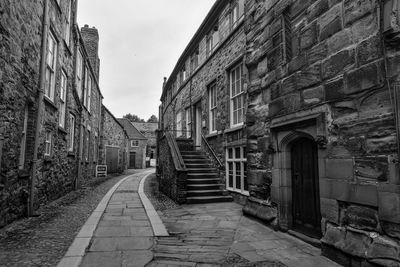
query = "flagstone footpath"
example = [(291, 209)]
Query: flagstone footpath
[(199, 235)]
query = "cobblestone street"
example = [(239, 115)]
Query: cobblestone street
[(43, 240)]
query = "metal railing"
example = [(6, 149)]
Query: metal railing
[(211, 151), (175, 152)]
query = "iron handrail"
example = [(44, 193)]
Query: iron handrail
[(212, 150)]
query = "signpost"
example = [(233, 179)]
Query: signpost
[(101, 170)]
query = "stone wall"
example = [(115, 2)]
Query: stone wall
[(317, 69), (171, 181), (113, 134)]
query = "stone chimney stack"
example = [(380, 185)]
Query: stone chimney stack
[(91, 38)]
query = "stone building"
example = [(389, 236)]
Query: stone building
[(114, 143), (148, 129), (137, 144), (320, 133), (50, 104)]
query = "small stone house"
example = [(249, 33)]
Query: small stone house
[(148, 129), (137, 145), (114, 143), (297, 103)]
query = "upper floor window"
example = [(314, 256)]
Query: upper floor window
[(194, 62), (212, 96), (48, 143), (236, 170), (188, 123), (85, 88), (67, 33), (134, 143), (21, 164), (237, 13), (237, 95), (63, 97), (51, 61), (178, 124), (79, 74), (209, 45), (71, 133), (88, 91)]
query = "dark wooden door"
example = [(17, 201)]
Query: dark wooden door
[(305, 188), (132, 160), (112, 154)]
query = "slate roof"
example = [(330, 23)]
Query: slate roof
[(148, 129), (131, 130)]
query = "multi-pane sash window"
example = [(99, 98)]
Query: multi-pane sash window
[(68, 24), (21, 164), (48, 141), (212, 96), (79, 74), (89, 92), (51, 61), (188, 123), (236, 170), (134, 143), (63, 97), (71, 133), (237, 13), (179, 124), (237, 95), (85, 89)]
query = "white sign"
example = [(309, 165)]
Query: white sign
[(101, 170)]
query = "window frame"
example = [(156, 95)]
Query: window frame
[(178, 127), (237, 13), (71, 132), (51, 67), (212, 107), (236, 96), (79, 73), (48, 140), (63, 99), (242, 159), (188, 122), (134, 143)]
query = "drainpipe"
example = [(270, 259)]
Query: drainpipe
[(42, 83)]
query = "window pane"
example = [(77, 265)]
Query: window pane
[(230, 153), (237, 153), (238, 176), (230, 174)]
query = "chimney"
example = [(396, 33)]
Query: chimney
[(91, 39)]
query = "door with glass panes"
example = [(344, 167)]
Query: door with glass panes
[(236, 169)]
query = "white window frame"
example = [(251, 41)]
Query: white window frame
[(63, 99), (242, 159), (134, 143), (22, 155), (67, 34), (179, 132), (209, 44), (237, 13), (188, 123), (236, 95), (212, 107), (71, 143), (48, 143), (51, 65), (89, 92), (79, 74)]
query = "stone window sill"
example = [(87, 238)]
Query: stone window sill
[(49, 102), (62, 130), (71, 154), (47, 159), (23, 174), (236, 128)]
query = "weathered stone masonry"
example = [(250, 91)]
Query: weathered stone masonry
[(317, 71)]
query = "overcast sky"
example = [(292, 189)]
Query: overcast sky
[(140, 42)]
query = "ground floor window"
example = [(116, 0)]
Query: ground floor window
[(236, 169)]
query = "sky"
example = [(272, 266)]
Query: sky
[(140, 43)]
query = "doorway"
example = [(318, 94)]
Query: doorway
[(132, 160), (197, 125), (305, 188), (112, 157)]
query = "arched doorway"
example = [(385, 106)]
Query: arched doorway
[(306, 213)]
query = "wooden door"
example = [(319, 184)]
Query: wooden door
[(112, 154), (198, 121), (305, 188), (132, 160)]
